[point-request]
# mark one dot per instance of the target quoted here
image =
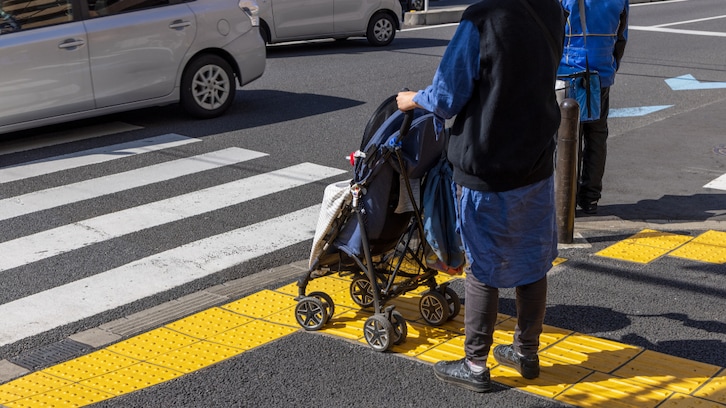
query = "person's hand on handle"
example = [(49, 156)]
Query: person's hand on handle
[(405, 102)]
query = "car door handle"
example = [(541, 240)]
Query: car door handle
[(179, 24), (71, 44)]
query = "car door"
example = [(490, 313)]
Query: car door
[(352, 15), (44, 70), (136, 48), (302, 18)]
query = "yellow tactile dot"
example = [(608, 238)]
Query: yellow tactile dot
[(664, 371), (714, 389), (421, 338), (559, 261), (195, 356), (252, 334), (626, 251), (590, 352), (687, 401), (554, 377), (129, 379), (208, 323), (606, 391), (29, 385), (74, 395), (91, 365), (261, 304), (151, 344), (658, 239), (407, 305), (702, 252)]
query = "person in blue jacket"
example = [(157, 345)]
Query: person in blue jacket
[(607, 34), (497, 76)]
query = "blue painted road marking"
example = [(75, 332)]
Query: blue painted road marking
[(635, 112), (688, 82)]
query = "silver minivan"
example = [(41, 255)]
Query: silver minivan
[(63, 60), (291, 20)]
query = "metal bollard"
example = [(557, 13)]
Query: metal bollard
[(566, 170)]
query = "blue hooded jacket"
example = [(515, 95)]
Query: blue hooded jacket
[(607, 33)]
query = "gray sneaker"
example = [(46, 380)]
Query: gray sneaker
[(458, 373), (528, 366)]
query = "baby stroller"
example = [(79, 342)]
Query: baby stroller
[(371, 227)]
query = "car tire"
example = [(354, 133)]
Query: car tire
[(381, 30), (208, 86)]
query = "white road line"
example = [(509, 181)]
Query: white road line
[(92, 156), (84, 190), (68, 136), (69, 237), (84, 298), (677, 31), (718, 184), (690, 21)]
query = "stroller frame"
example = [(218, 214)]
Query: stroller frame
[(381, 277)]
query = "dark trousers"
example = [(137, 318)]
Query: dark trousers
[(593, 139), (481, 307)]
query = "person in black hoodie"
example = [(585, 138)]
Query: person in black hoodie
[(497, 77)]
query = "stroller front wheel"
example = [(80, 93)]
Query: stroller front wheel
[(379, 332), (310, 313), (327, 303)]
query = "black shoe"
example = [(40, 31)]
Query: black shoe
[(588, 207), (527, 366), (458, 373)]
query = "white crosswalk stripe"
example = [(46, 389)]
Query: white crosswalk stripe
[(72, 301)]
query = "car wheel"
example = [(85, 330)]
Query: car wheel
[(207, 86), (381, 30)]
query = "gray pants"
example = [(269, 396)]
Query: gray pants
[(481, 306)]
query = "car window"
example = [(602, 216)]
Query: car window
[(16, 15), (111, 7)]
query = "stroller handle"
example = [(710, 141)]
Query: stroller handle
[(406, 125)]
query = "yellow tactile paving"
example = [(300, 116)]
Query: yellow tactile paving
[(152, 344), (208, 323), (132, 378), (261, 304), (194, 356), (253, 334), (422, 338), (607, 391), (29, 385), (708, 247), (688, 401), (714, 389), (91, 365), (591, 352), (576, 369), (672, 373), (73, 395)]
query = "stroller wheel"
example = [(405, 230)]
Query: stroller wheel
[(379, 332), (310, 313), (400, 329), (434, 308), (327, 303), (361, 291), (452, 298)]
